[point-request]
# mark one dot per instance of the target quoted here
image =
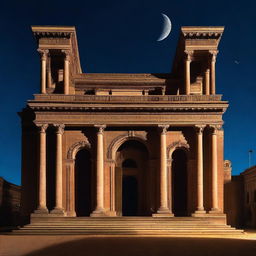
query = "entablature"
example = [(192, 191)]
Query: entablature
[(171, 104)]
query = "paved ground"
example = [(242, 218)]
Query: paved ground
[(121, 246)]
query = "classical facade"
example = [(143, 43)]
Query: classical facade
[(112, 145)]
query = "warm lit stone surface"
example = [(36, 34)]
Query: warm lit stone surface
[(99, 246)]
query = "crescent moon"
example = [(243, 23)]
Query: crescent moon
[(167, 27)]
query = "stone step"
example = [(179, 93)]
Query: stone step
[(125, 232), (124, 227), (127, 223), (125, 218)]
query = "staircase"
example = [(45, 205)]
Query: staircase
[(177, 226)]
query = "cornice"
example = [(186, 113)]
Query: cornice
[(202, 32), (221, 107)]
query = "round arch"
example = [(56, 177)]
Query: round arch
[(177, 145), (76, 147), (118, 141)]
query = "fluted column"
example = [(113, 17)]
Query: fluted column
[(99, 211), (187, 71), (163, 209), (49, 72), (207, 81), (214, 151), (58, 209), (213, 75), (200, 172), (43, 53), (66, 71), (42, 208), (169, 184)]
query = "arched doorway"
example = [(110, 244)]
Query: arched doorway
[(131, 179), (179, 183), (83, 183)]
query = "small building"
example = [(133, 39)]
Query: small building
[(240, 199), (249, 180), (10, 195)]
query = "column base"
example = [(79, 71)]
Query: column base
[(111, 214), (99, 212), (215, 211), (57, 212), (199, 213), (40, 212), (163, 212), (71, 214)]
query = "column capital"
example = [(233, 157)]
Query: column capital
[(67, 54), (100, 128), (43, 53), (188, 55), (199, 128), (214, 54), (163, 128), (59, 128), (42, 127), (215, 127)]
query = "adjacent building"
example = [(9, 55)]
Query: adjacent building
[(240, 199), (9, 203)]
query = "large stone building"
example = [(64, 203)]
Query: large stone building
[(111, 145)]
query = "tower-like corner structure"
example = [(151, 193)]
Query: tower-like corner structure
[(111, 146)]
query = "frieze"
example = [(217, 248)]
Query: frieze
[(144, 98), (121, 118), (57, 41)]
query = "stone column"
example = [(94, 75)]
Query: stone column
[(213, 61), (99, 211), (207, 81), (49, 73), (43, 54), (112, 188), (42, 208), (187, 71), (163, 209), (214, 151), (58, 209), (169, 169), (66, 71), (200, 172)]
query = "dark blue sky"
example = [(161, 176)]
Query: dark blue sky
[(120, 36)]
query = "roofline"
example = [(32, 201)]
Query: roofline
[(38, 28)]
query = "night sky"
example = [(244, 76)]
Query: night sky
[(121, 36)]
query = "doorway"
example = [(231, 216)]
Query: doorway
[(132, 179), (83, 183), (179, 183)]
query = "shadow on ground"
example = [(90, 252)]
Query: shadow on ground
[(150, 246)]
